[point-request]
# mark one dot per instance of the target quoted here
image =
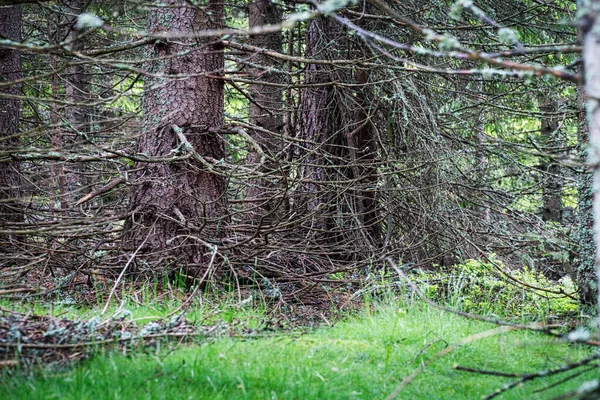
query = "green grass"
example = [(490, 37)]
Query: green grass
[(364, 357), (202, 309)]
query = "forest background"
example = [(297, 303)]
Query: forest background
[(310, 150)]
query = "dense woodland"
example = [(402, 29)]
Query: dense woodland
[(295, 145), (147, 139)]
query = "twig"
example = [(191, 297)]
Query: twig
[(532, 327), (473, 338), (541, 374), (20, 290), (106, 188), (214, 250), (125, 269), (486, 372)]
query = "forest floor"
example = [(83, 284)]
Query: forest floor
[(248, 349)]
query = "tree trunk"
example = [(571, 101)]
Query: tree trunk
[(265, 109), (77, 91), (319, 121), (363, 149), (591, 58), (10, 70), (338, 144), (552, 196), (174, 202), (585, 275)]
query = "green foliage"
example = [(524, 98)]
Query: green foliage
[(480, 287), (363, 357)]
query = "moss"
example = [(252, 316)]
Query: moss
[(476, 286)]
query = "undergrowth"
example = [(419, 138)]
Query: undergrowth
[(365, 356), (490, 288)]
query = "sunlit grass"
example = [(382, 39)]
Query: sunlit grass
[(365, 356)]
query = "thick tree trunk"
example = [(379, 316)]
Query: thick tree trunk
[(173, 202), (265, 110), (10, 70), (552, 197)]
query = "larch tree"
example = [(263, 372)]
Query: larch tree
[(10, 71), (175, 203)]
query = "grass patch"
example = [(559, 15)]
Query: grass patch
[(365, 357), (201, 310)]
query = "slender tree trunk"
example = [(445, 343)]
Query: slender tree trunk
[(73, 87), (552, 197), (265, 108), (481, 158), (77, 94), (585, 274), (363, 148), (57, 184), (319, 122), (591, 58), (10, 70), (175, 201)]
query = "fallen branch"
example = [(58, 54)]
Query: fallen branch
[(468, 340), (104, 189)]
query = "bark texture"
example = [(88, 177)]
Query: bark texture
[(338, 142), (10, 70), (265, 109), (175, 200), (363, 152), (552, 187), (319, 121)]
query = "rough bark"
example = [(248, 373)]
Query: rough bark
[(363, 149), (319, 121), (10, 70), (338, 142), (176, 200), (265, 109), (552, 187)]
